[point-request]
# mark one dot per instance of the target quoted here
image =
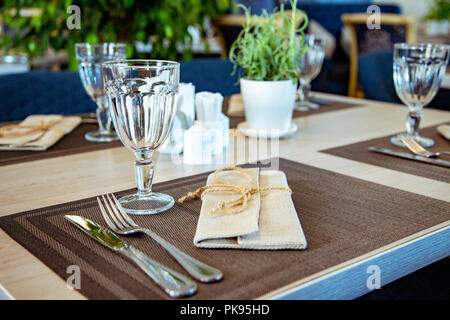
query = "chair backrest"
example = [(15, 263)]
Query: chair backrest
[(328, 14), (375, 76), (394, 28), (42, 92)]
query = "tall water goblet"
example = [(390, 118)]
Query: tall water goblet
[(90, 57), (142, 96), (311, 63), (418, 73)]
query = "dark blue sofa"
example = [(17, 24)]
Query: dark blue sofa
[(42, 92), (46, 92)]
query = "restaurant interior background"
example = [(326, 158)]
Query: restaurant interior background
[(39, 36)]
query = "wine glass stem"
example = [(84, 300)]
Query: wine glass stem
[(413, 122), (144, 176), (103, 117), (303, 89)]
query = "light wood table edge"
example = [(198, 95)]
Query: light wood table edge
[(420, 243)]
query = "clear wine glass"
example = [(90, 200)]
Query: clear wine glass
[(418, 73), (142, 96), (311, 63), (90, 57)]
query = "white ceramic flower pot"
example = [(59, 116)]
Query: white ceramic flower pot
[(268, 104)]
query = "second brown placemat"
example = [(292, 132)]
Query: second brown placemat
[(342, 218), (72, 143), (360, 152)]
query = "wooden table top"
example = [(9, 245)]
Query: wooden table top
[(41, 183)]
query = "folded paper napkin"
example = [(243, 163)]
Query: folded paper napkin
[(267, 222), (36, 132), (444, 130)]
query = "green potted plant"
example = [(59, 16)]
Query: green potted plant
[(267, 53)]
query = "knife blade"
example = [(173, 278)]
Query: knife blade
[(405, 155), (174, 284)]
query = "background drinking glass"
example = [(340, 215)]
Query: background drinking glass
[(142, 95), (418, 72), (90, 57), (311, 63)]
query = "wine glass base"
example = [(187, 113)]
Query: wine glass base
[(306, 106), (424, 142), (148, 204), (97, 136)]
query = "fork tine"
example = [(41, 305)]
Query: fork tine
[(106, 216), (116, 212), (416, 145), (410, 143), (111, 214), (122, 212)]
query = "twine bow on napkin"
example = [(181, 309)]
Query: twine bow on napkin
[(252, 220), (232, 206), (18, 130)]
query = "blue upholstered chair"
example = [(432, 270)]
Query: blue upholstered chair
[(42, 92), (329, 14), (335, 73), (375, 78)]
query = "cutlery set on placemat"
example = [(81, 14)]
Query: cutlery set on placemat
[(419, 153), (173, 283)]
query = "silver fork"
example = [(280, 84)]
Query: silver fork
[(416, 148), (121, 223)]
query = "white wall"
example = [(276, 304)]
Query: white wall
[(417, 8)]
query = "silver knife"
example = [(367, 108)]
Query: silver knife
[(395, 153), (174, 284)]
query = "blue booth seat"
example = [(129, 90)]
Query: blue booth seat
[(42, 92), (210, 74), (46, 92)]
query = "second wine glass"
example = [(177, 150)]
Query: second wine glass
[(142, 96), (90, 57), (311, 63)]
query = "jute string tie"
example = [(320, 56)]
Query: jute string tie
[(233, 206)]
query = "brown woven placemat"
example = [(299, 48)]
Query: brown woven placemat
[(342, 218), (325, 106), (72, 143), (359, 152)]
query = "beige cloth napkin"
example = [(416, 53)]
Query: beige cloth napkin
[(42, 139), (444, 130), (270, 221)]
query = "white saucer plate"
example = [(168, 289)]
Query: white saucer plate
[(266, 134)]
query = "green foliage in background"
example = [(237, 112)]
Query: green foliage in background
[(268, 49), (438, 10), (164, 23)]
